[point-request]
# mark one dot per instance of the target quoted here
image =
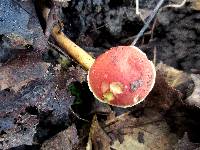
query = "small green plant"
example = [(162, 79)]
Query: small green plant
[(75, 91)]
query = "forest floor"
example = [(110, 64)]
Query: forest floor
[(45, 99)]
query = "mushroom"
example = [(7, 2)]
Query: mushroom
[(122, 76)]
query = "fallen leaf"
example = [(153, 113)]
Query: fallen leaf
[(195, 4), (186, 144), (147, 132), (193, 99), (22, 70), (100, 108), (14, 41), (19, 18), (163, 96), (177, 79), (98, 139), (187, 84), (42, 101), (64, 3), (173, 77), (66, 140)]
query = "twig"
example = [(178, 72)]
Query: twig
[(58, 49), (132, 37), (154, 55), (118, 118), (137, 7), (152, 29), (76, 115), (176, 5), (18, 3), (167, 6), (150, 18)]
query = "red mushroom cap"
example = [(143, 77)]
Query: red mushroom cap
[(122, 76)]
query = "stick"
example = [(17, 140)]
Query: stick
[(137, 7), (150, 18)]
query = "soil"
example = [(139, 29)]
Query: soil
[(104, 24), (54, 102)]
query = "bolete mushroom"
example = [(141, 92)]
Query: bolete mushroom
[(122, 76)]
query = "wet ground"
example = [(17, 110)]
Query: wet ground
[(41, 99)]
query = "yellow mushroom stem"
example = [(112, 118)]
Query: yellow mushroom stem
[(76, 52)]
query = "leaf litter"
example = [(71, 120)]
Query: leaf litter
[(152, 129), (36, 105)]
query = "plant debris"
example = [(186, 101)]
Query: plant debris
[(22, 70), (147, 132), (67, 139), (186, 144), (97, 137), (45, 100), (193, 99)]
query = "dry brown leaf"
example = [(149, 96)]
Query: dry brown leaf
[(187, 84), (14, 41), (173, 77), (177, 80), (194, 98), (64, 3), (195, 4), (98, 139), (148, 132), (100, 108), (22, 70), (42, 97), (186, 144), (66, 139), (169, 73), (163, 96)]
